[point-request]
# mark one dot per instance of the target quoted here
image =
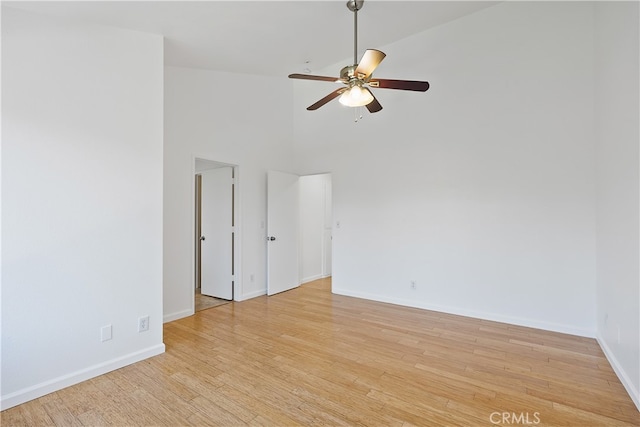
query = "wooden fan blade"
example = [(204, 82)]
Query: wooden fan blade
[(326, 99), (374, 106), (312, 77), (370, 60), (415, 85)]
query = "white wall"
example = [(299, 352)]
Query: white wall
[(236, 119), (617, 138), (482, 189), (315, 223), (81, 201)]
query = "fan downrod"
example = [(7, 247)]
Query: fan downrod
[(354, 6)]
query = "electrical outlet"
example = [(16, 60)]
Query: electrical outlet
[(413, 284), (105, 333), (143, 323)]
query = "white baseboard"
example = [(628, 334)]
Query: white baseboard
[(311, 278), (253, 294), (177, 315), (39, 390), (188, 312), (620, 372), (530, 323)]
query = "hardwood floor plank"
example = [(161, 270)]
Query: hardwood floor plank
[(267, 413), (121, 407), (215, 413), (60, 414), (32, 412), (14, 418), (584, 417), (81, 398), (307, 356), (92, 419)]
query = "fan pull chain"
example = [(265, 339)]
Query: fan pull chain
[(357, 113)]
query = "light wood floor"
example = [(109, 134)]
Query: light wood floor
[(308, 357)]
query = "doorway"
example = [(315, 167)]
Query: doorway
[(299, 237), (316, 227), (215, 233)]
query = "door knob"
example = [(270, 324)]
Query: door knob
[(271, 238), (202, 238)]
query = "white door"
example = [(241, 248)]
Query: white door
[(217, 233), (282, 232)]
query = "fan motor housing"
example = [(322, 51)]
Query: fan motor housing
[(348, 73), (348, 76)]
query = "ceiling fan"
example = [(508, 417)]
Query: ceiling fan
[(358, 76)]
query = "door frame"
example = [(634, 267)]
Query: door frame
[(237, 228)]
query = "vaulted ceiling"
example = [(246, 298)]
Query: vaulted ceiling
[(261, 37)]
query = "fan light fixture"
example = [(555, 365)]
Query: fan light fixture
[(356, 97)]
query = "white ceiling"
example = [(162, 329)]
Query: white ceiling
[(262, 37)]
